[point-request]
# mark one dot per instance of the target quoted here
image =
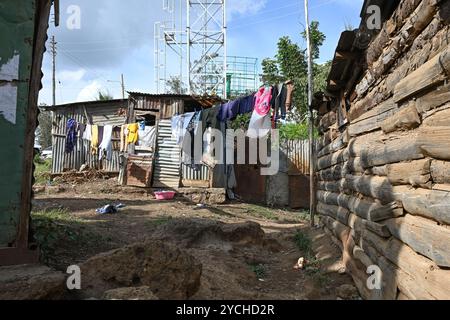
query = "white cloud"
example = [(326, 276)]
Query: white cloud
[(71, 76), (245, 7), (90, 92)]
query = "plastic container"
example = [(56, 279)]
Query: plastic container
[(165, 195)]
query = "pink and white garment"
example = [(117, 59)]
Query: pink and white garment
[(260, 123)]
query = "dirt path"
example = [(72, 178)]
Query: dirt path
[(263, 270)]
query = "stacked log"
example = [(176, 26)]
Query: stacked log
[(384, 177)]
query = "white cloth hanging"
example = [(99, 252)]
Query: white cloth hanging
[(147, 137), (106, 145), (87, 134)]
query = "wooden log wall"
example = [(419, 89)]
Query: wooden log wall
[(384, 178)]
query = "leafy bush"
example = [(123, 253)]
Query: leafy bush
[(241, 122), (260, 270), (304, 243)]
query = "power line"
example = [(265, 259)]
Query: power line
[(279, 17), (74, 59)]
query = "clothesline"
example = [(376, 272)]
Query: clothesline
[(277, 98), (101, 137), (268, 105)]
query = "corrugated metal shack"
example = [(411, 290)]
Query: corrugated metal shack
[(23, 28), (168, 169), (112, 112)]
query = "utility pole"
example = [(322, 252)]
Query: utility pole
[(123, 87), (312, 184), (53, 51), (122, 84)]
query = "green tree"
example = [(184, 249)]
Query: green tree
[(317, 39), (321, 72), (271, 73), (175, 86), (290, 63), (44, 129), (104, 96)]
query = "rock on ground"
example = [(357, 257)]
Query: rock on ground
[(169, 272), (31, 282), (132, 293)]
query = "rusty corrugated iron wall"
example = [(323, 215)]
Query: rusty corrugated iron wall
[(297, 153), (99, 113)]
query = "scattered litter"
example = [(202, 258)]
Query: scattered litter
[(262, 280), (110, 209), (200, 206), (301, 263), (342, 270)]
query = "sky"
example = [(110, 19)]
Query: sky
[(117, 36)]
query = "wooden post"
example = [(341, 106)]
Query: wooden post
[(312, 189), (123, 88), (53, 43)]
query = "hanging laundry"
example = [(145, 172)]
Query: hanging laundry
[(94, 139), (147, 137), (133, 133), (123, 138), (188, 148), (228, 111), (260, 123), (105, 147), (290, 91), (210, 119), (87, 135), (247, 104), (279, 103), (262, 101), (179, 126), (71, 138)]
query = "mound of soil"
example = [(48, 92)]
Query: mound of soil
[(169, 273), (195, 233)]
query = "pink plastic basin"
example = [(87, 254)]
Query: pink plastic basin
[(165, 195)]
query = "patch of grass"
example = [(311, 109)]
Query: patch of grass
[(313, 267), (304, 215), (57, 228), (261, 212), (162, 220), (304, 243), (260, 270), (42, 170)]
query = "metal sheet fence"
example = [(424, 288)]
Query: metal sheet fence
[(197, 173), (297, 153), (62, 161)]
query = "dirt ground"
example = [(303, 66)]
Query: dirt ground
[(262, 270)]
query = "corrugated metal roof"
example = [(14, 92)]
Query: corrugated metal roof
[(205, 101), (86, 103)]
